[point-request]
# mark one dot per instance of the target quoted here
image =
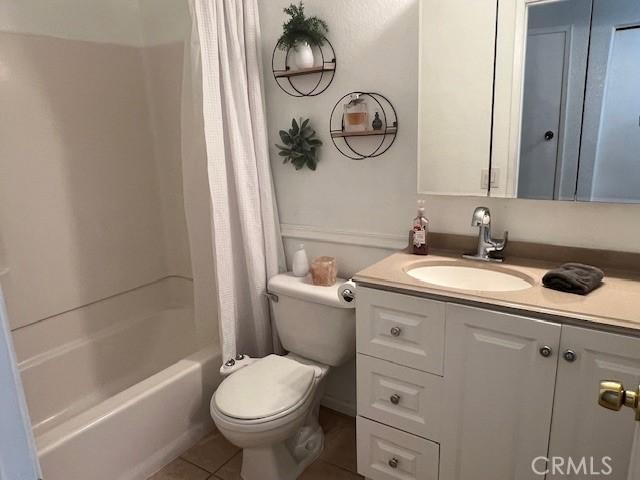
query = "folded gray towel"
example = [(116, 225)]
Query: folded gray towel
[(574, 278)]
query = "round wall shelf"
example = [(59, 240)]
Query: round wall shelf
[(369, 142), (304, 82)]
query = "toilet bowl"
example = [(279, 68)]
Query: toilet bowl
[(270, 407), (270, 410)]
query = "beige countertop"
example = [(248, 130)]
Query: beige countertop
[(615, 306)]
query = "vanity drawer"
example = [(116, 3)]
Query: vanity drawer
[(399, 396), (388, 454), (401, 328)]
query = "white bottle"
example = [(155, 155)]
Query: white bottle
[(300, 262)]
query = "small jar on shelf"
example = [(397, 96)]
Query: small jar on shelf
[(356, 114)]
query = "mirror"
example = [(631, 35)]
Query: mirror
[(539, 99), (579, 110)]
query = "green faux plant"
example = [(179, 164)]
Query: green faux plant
[(300, 145), (300, 28)]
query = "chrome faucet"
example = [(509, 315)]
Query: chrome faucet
[(486, 245)]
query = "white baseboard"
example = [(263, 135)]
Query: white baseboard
[(339, 405)]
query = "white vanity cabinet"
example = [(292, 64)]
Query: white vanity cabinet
[(466, 393), (498, 397)]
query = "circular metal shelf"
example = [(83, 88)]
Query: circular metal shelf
[(377, 141), (286, 76)]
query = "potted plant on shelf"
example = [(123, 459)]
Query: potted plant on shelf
[(300, 145), (300, 32)]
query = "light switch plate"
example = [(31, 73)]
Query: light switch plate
[(495, 178), (484, 179)]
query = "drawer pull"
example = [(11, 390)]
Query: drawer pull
[(393, 463), (546, 351), (395, 399), (396, 331)]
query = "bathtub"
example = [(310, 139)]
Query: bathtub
[(123, 401)]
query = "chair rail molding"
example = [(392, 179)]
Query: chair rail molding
[(344, 237)]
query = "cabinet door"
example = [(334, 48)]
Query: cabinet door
[(498, 394), (457, 53), (580, 427)]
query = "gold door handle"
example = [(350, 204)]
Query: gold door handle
[(613, 396)]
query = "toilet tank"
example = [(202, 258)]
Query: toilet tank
[(311, 321)]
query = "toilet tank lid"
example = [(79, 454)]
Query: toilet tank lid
[(301, 288)]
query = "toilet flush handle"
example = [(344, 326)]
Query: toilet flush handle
[(348, 295)]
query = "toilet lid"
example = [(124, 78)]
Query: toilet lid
[(265, 388)]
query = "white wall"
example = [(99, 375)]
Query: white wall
[(376, 48), (376, 45), (361, 211)]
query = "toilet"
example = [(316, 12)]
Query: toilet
[(269, 408)]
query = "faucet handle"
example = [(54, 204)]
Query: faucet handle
[(501, 244)]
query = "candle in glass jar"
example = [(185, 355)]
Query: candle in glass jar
[(324, 271)]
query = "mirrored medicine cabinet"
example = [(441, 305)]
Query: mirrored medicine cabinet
[(530, 99)]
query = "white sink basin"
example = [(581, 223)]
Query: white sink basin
[(465, 277)]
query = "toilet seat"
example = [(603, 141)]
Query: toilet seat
[(266, 389)]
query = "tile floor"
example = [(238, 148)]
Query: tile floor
[(213, 458)]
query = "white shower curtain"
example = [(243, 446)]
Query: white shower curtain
[(224, 120)]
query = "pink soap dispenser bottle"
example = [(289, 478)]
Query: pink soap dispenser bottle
[(418, 236)]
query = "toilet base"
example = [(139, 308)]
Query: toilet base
[(285, 460)]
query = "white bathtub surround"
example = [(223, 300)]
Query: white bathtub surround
[(244, 220), (134, 372), (95, 262), (197, 198), (72, 378), (146, 379)]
